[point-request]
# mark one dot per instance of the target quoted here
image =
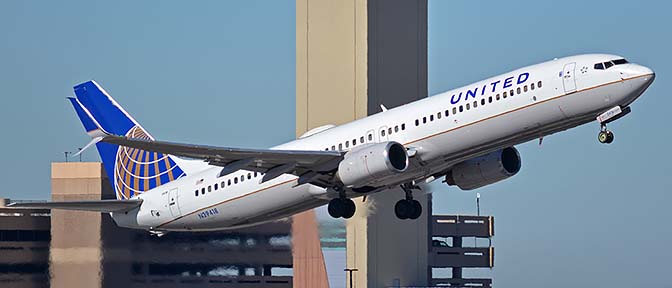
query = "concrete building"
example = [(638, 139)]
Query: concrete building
[(86, 249), (352, 56)]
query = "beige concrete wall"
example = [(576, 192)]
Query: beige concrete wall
[(75, 253), (352, 56)]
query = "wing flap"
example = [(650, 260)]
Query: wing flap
[(104, 206)]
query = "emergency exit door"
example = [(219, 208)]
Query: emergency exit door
[(568, 77)]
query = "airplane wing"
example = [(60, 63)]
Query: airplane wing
[(105, 206), (308, 165)]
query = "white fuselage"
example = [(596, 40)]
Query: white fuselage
[(547, 98)]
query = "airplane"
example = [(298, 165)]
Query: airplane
[(466, 135)]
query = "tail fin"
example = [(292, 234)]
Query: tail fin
[(131, 171)]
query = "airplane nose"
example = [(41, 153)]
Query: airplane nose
[(636, 70)]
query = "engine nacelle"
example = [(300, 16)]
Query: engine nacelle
[(485, 170), (371, 165)]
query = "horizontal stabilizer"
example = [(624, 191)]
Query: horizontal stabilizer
[(104, 206)]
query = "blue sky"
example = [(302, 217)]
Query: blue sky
[(222, 73)]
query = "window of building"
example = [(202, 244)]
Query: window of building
[(539, 84)]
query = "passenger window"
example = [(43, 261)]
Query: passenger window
[(255, 174), (333, 147), (216, 186), (517, 91), (461, 108), (482, 101), (424, 120), (196, 194), (511, 92), (340, 146), (396, 129), (371, 136), (389, 131), (223, 184), (467, 106), (446, 113), (242, 178), (539, 84), (209, 188), (497, 97), (532, 86), (361, 139), (382, 132), (403, 126), (203, 191), (475, 104), (438, 115), (490, 99), (454, 110), (431, 117), (249, 176), (525, 88), (235, 180), (417, 122), (347, 143), (354, 142)]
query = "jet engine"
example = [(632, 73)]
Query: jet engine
[(373, 164), (484, 170)]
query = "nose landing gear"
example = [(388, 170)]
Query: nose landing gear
[(605, 136), (408, 208)]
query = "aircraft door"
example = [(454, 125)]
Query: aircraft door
[(172, 203), (382, 133), (568, 77), (370, 136)]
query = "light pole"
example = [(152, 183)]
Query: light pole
[(350, 270)]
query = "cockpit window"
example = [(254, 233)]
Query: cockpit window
[(606, 65)]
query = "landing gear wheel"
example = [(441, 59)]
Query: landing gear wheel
[(335, 208), (417, 210), (605, 137), (348, 208), (402, 209)]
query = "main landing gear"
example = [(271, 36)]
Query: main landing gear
[(408, 208), (605, 136), (341, 206)]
